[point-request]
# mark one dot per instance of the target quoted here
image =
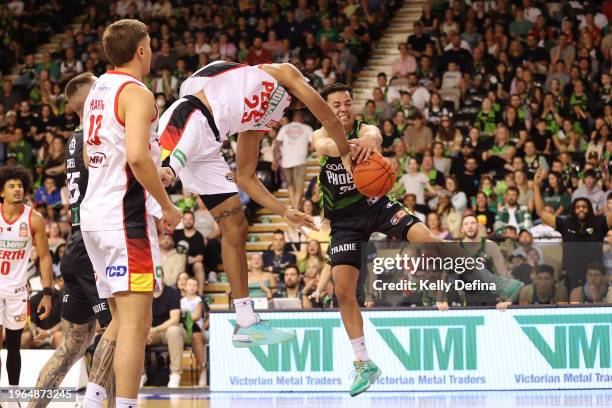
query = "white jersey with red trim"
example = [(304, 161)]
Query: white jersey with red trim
[(15, 247), (242, 97), (114, 198)]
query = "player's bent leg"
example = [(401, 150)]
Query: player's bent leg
[(366, 372), (134, 310), (77, 337), (249, 331), (345, 282), (507, 289), (234, 229)]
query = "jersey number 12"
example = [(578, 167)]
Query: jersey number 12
[(95, 121)]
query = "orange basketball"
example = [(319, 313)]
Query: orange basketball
[(375, 176)]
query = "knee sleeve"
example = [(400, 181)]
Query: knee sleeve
[(12, 343)]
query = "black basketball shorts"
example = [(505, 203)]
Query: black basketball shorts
[(348, 234), (81, 302)]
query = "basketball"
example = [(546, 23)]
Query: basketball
[(375, 176)]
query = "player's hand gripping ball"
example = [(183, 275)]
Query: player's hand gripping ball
[(374, 177)]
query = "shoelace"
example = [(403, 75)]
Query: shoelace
[(357, 369), (259, 320)]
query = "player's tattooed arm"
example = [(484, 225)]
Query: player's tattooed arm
[(228, 213), (77, 337)]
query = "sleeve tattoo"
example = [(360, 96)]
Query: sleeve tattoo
[(102, 365), (77, 337)]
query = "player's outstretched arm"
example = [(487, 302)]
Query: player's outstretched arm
[(39, 236), (290, 78), (137, 104), (247, 157)]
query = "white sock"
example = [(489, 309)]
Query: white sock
[(359, 347), (126, 403), (94, 396), (245, 316)]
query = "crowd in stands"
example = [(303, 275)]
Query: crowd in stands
[(485, 94), (482, 96), (330, 39)]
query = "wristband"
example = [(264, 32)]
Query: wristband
[(47, 291)]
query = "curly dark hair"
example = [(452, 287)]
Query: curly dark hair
[(15, 173)]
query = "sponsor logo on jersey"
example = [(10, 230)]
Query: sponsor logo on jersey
[(334, 167), (344, 248), (269, 103), (372, 200), (398, 216), (72, 146), (338, 179), (230, 177), (12, 255), (65, 298), (390, 204), (100, 307), (179, 155), (96, 160), (116, 271), (23, 229), (158, 272)]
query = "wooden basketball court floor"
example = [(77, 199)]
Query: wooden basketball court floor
[(199, 398)]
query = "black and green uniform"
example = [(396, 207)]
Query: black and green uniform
[(354, 217), (81, 303)]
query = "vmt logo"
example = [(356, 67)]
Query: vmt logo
[(427, 342), (570, 339), (315, 346), (116, 271)]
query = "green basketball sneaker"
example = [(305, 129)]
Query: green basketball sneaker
[(366, 373), (259, 334)]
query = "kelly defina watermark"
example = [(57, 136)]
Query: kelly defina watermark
[(428, 273), (406, 285)]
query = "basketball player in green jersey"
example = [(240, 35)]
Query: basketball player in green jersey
[(354, 217)]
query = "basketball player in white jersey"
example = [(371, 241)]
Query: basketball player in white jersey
[(123, 192), (20, 227), (222, 99), (82, 308)]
